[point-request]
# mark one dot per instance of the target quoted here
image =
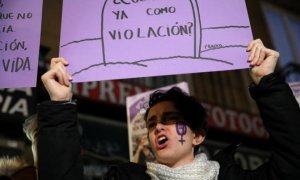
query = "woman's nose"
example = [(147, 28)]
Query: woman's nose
[(160, 127)]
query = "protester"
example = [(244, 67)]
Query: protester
[(9, 165), (30, 130), (17, 168), (177, 125)]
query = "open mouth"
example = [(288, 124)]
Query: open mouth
[(162, 140)]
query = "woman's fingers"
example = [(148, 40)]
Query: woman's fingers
[(257, 52), (57, 60), (62, 74)]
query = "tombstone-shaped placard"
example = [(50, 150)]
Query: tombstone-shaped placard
[(115, 39)]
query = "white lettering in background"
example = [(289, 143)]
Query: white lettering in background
[(106, 91), (11, 104), (235, 121), (247, 161), (85, 88)]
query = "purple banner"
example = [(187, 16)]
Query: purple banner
[(20, 28), (115, 39)]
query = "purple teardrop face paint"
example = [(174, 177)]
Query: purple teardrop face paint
[(181, 129)]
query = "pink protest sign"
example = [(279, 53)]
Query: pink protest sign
[(20, 29), (115, 39)]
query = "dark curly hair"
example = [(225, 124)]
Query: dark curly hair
[(193, 112)]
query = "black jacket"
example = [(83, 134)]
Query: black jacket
[(59, 147)]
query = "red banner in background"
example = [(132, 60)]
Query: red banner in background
[(235, 121), (114, 92)]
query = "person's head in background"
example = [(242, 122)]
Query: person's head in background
[(30, 129), (177, 125), (9, 165), (16, 168)]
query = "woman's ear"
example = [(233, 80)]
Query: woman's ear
[(198, 138)]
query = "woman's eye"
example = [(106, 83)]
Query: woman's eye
[(171, 119), (150, 125)]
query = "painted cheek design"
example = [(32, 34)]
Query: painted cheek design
[(181, 130)]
